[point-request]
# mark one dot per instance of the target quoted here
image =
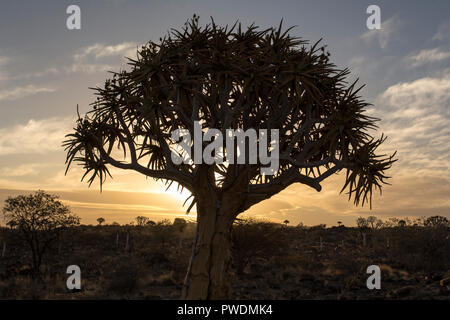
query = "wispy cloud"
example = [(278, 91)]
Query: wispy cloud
[(89, 59), (99, 50), (35, 136), (21, 92), (443, 32), (416, 117), (89, 68), (385, 34), (38, 74), (428, 56), (3, 60), (19, 171)]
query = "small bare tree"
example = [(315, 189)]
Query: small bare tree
[(142, 221), (41, 218), (100, 221), (374, 222)]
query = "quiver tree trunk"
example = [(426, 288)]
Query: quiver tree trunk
[(208, 272)]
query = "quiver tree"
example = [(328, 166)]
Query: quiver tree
[(229, 78)]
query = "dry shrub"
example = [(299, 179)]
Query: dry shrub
[(253, 240), (124, 278)]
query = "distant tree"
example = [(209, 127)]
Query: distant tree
[(180, 224), (339, 223), (100, 221), (437, 222), (228, 78), (286, 222), (12, 224), (420, 221), (151, 223), (141, 221), (401, 223), (362, 223), (164, 222), (391, 222), (374, 222), (41, 218), (164, 231), (115, 223)]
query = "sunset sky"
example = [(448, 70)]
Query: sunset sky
[(46, 69)]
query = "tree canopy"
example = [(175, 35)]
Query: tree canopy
[(233, 78)]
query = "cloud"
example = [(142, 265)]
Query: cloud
[(4, 60), (36, 136), (25, 75), (428, 56), (19, 171), (385, 34), (99, 50), (443, 32), (87, 68), (21, 92), (416, 117), (39, 74), (89, 59)]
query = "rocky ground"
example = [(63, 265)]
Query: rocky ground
[(269, 262)]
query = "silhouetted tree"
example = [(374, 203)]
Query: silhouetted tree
[(163, 231), (230, 78), (437, 222), (12, 224), (100, 221), (142, 221), (362, 223), (374, 222), (151, 223), (41, 218), (179, 224)]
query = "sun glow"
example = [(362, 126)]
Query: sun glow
[(179, 194)]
